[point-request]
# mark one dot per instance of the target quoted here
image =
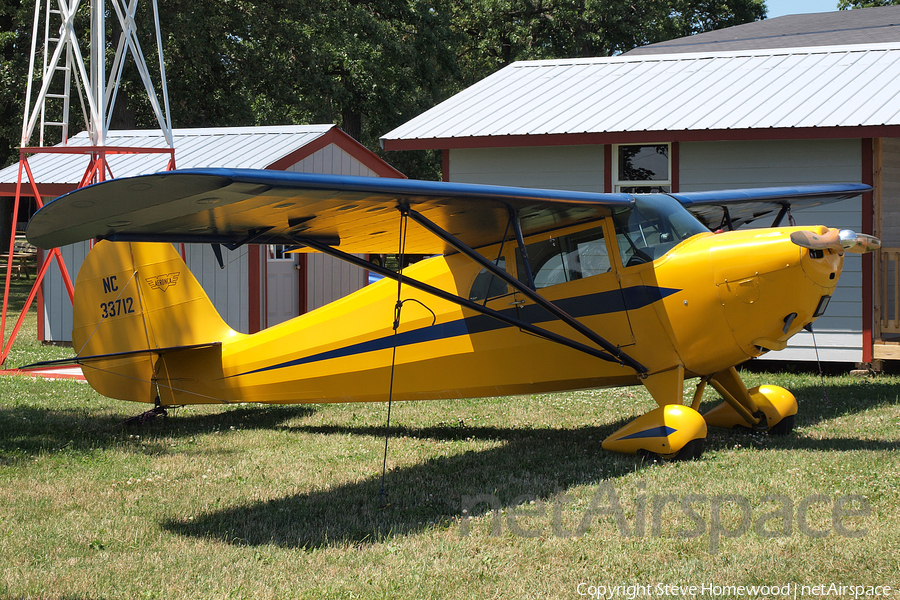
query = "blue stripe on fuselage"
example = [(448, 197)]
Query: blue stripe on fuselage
[(601, 303)]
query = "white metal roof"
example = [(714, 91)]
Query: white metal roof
[(816, 87), (227, 147)]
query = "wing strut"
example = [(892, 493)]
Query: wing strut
[(520, 240), (419, 285), (531, 294), (785, 209)]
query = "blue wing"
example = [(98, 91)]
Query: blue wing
[(261, 206), (721, 208), (358, 214)]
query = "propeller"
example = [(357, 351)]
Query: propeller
[(839, 240)]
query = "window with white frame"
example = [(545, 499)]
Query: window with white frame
[(642, 168), (279, 252)]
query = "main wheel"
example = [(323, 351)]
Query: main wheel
[(784, 426), (691, 451)]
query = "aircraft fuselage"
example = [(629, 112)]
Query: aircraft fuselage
[(701, 304)]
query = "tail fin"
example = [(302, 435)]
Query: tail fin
[(136, 302)]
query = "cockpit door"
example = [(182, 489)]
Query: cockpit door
[(575, 268), (645, 234)]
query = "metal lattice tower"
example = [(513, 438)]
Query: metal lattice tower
[(63, 64)]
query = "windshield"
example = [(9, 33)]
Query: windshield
[(655, 225)]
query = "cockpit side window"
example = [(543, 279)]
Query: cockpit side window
[(654, 226), (566, 258)]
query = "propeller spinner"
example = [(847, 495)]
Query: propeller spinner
[(843, 240)]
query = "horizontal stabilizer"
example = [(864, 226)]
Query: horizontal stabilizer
[(86, 360), (135, 306)]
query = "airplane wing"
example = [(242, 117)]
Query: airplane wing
[(358, 214), (729, 209)]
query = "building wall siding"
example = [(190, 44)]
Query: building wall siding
[(57, 308), (332, 159), (709, 166), (578, 168), (228, 288), (718, 165), (890, 196), (329, 279)]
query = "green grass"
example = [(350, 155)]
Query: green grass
[(285, 501)]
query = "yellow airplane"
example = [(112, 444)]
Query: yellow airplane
[(526, 291)]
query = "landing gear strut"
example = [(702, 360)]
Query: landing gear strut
[(670, 432), (675, 432), (767, 408)]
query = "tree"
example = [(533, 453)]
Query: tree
[(366, 65), (501, 31), (850, 4), (15, 40)]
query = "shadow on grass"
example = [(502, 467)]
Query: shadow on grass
[(818, 404), (536, 463), (27, 430), (723, 439), (530, 463)]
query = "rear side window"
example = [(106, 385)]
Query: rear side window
[(567, 258)]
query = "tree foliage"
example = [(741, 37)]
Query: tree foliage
[(850, 4), (501, 31), (367, 65), (15, 40)]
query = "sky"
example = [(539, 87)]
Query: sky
[(779, 8)]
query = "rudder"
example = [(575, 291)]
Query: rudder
[(133, 297)]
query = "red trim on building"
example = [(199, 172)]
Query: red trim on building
[(868, 224), (303, 263), (633, 137), (48, 190), (253, 274), (346, 143), (676, 165), (607, 168), (445, 165)]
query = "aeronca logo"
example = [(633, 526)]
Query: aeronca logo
[(162, 282)]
